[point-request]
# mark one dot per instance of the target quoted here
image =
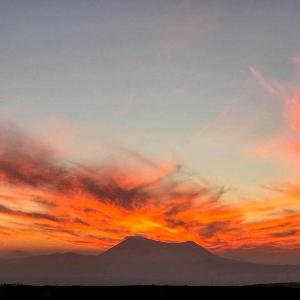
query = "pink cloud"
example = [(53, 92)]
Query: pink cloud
[(283, 146)]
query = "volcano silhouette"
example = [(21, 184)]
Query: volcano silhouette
[(141, 261), (137, 247)]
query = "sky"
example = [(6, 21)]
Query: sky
[(178, 120)]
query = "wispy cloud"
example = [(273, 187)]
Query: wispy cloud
[(88, 206), (282, 146)]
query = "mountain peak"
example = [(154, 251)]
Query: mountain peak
[(140, 246), (143, 239), (140, 237), (135, 237)]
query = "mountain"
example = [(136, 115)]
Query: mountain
[(139, 248), (265, 255), (14, 254), (138, 260)]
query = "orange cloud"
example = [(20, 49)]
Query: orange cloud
[(293, 112), (48, 203)]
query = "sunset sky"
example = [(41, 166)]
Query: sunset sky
[(177, 120)]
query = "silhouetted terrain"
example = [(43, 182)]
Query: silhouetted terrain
[(14, 254), (140, 261), (140, 292), (265, 255)]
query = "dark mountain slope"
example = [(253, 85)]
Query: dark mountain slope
[(138, 260)]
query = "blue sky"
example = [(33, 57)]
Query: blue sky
[(163, 78)]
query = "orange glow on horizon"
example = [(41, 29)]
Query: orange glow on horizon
[(46, 203), (169, 210)]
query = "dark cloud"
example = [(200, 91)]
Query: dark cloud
[(90, 210), (33, 215), (177, 223), (25, 161), (53, 230), (274, 227), (285, 233), (113, 192), (176, 208), (211, 229), (80, 221), (45, 202), (79, 242), (209, 197)]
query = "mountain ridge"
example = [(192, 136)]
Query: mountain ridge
[(142, 261)]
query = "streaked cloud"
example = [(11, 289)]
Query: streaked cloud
[(85, 206)]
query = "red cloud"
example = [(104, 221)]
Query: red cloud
[(44, 200)]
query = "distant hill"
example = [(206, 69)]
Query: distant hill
[(265, 255), (141, 261), (14, 254)]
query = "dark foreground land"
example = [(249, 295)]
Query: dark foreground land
[(8, 292)]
